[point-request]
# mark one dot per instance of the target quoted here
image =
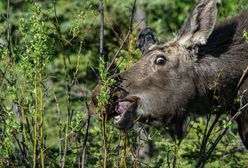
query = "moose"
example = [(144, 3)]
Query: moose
[(199, 68)]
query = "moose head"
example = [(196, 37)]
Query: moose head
[(171, 79)]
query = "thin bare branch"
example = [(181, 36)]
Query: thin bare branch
[(130, 30), (86, 136), (101, 11)]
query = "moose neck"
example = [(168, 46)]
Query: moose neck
[(221, 62), (217, 77)]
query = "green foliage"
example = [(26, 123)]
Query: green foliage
[(33, 50), (246, 36), (27, 60), (7, 138), (103, 97), (47, 52)]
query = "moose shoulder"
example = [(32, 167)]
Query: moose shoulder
[(199, 68)]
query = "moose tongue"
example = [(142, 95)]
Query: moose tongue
[(122, 106)]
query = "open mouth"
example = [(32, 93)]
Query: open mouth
[(125, 111), (121, 108)]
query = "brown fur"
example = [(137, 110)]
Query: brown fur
[(202, 69)]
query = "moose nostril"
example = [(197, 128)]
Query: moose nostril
[(117, 78)]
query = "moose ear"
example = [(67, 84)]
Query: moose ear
[(199, 24), (146, 39)]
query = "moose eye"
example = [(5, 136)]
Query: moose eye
[(160, 60)]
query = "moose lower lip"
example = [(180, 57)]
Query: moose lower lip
[(118, 118)]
